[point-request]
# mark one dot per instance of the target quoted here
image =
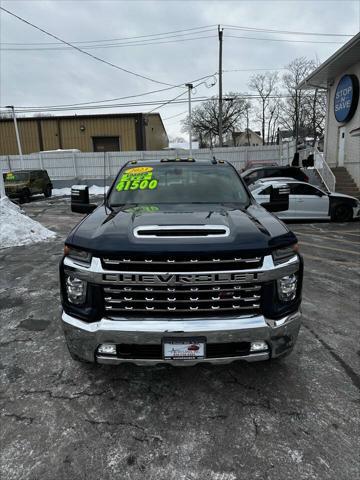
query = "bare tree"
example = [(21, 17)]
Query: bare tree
[(315, 104), (294, 110), (205, 118), (265, 85)]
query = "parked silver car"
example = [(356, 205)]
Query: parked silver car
[(307, 202)]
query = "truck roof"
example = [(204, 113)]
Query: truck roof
[(186, 160)]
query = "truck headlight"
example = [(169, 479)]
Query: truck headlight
[(76, 290), (287, 287), (282, 255), (76, 254)]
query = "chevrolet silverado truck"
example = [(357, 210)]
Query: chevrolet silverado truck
[(179, 264)]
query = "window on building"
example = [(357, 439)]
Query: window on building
[(106, 144)]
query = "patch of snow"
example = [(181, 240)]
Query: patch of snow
[(18, 229), (93, 190), (296, 456)]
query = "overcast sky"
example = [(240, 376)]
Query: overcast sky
[(66, 76)]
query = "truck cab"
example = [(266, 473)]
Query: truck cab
[(181, 265)]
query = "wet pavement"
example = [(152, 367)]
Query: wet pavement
[(295, 418)]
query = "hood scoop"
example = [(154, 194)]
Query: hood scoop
[(181, 231)]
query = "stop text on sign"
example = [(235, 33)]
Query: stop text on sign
[(346, 98)]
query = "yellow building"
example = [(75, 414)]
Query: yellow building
[(87, 133)]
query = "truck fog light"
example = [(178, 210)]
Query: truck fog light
[(76, 290), (287, 287), (107, 349), (258, 346)]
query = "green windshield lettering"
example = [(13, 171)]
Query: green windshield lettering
[(134, 179)]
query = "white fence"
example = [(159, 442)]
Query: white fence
[(67, 166)]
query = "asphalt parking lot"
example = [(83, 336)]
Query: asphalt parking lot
[(297, 418)]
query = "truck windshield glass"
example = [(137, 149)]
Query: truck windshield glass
[(16, 177), (166, 183)]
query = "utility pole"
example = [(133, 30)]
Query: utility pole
[(190, 86), (16, 130), (220, 33)]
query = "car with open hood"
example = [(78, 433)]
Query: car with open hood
[(309, 202)]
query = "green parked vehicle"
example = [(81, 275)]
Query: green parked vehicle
[(23, 184)]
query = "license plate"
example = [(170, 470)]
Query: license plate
[(190, 348)]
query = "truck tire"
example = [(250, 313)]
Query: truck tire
[(25, 196), (342, 213), (48, 191)]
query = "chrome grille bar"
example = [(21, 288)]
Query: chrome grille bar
[(110, 261)]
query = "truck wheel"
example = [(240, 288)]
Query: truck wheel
[(342, 213), (48, 191), (25, 197)]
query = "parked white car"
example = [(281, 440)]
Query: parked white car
[(307, 202)]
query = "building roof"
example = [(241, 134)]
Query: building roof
[(245, 133), (79, 117), (335, 65)]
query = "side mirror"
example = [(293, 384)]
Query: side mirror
[(80, 202), (279, 199)]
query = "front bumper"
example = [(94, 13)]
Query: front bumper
[(84, 338)]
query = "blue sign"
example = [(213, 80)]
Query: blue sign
[(346, 98)]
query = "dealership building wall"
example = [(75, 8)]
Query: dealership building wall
[(87, 133), (339, 75), (350, 129)]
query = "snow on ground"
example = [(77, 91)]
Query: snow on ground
[(18, 229), (94, 190)]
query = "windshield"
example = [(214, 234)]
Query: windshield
[(166, 183), (16, 177)]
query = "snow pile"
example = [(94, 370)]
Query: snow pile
[(94, 190), (18, 229)]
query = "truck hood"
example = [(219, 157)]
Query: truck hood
[(252, 229)]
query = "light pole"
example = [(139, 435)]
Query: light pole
[(190, 86), (16, 131)]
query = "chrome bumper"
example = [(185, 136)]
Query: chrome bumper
[(84, 338)]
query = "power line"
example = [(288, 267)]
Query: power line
[(167, 102), (161, 103), (254, 69), (84, 52), (117, 39), (175, 98), (136, 44), (287, 32), (281, 40), (183, 32), (176, 115), (117, 98)]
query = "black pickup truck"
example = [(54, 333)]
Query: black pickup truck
[(179, 264)]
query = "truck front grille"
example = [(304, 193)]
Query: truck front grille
[(188, 300), (181, 263)]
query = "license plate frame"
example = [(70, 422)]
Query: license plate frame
[(177, 348)]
